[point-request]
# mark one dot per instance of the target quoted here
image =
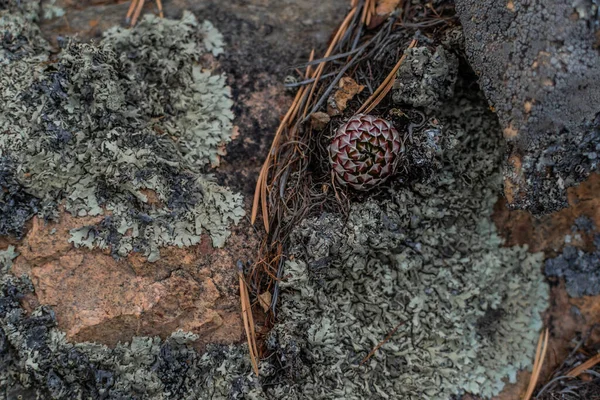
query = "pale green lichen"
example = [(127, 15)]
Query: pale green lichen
[(6, 257), (50, 10), (109, 122), (427, 257)]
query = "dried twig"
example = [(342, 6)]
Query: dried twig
[(385, 86), (131, 9), (384, 341), (138, 11), (589, 364)]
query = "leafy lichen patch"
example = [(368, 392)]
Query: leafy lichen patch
[(427, 259), (108, 121)]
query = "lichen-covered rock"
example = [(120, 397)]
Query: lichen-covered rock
[(539, 66), (109, 125), (36, 359), (426, 79), (99, 298), (427, 260), (579, 268)]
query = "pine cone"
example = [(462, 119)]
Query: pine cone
[(364, 151)]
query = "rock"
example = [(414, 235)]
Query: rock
[(568, 317), (547, 233), (539, 66), (101, 299)]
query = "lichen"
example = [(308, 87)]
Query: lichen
[(6, 257), (16, 206), (428, 259), (36, 359), (125, 128), (426, 79), (578, 267)]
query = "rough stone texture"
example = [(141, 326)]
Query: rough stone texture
[(99, 298), (539, 66), (568, 318)]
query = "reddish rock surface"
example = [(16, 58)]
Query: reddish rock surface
[(99, 298), (567, 318), (547, 233)]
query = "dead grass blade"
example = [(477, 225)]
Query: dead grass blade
[(384, 341), (317, 75), (161, 14), (260, 192), (130, 11), (138, 11), (540, 356)]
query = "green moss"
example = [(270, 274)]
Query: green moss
[(108, 121)]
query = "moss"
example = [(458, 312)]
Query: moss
[(108, 124)]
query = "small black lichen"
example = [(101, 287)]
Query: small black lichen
[(16, 205)]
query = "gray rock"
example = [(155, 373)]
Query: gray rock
[(539, 67)]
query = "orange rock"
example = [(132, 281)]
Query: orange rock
[(101, 299)]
